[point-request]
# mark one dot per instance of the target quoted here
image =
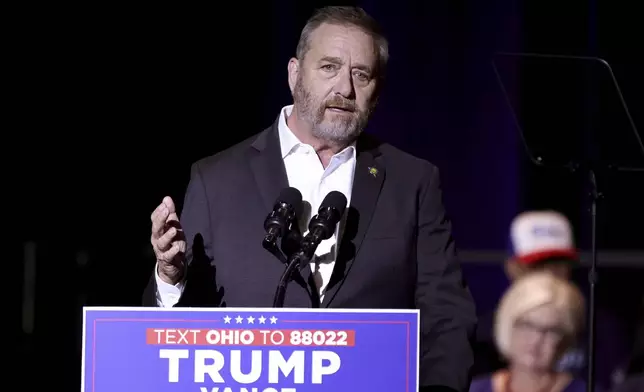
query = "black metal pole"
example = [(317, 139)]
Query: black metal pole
[(592, 280)]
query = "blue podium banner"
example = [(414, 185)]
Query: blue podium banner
[(249, 350)]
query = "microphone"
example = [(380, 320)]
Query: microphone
[(282, 217), (321, 227)]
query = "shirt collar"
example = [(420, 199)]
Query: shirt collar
[(289, 142)]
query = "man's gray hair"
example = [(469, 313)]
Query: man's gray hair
[(346, 16)]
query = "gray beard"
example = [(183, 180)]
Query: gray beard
[(342, 130)]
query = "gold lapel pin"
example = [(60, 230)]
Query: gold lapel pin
[(373, 171)]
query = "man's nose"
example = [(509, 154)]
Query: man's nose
[(344, 84)]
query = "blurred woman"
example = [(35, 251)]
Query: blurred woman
[(538, 319)]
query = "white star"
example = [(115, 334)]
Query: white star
[(239, 319), (227, 320), (273, 320), (250, 319), (262, 320)]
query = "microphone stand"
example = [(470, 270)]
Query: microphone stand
[(294, 263), (595, 195), (272, 247), (297, 259), (321, 227)]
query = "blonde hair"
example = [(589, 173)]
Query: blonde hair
[(532, 291)]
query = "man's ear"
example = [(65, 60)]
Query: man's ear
[(293, 71)]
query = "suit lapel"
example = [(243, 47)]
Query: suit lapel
[(268, 167), (367, 183), (270, 175)]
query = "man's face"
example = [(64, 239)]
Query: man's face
[(334, 85)]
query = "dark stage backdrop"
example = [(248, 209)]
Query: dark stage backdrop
[(113, 104)]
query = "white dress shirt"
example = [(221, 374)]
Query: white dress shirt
[(306, 173)]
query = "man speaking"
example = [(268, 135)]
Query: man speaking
[(392, 249)]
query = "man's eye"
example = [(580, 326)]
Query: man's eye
[(328, 67), (361, 76)]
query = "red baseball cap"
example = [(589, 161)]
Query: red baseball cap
[(537, 236)]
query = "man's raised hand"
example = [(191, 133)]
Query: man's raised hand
[(168, 242)]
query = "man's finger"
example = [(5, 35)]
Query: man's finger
[(159, 218), (162, 206), (173, 221), (172, 217), (172, 253), (164, 242), (169, 203)]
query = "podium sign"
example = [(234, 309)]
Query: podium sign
[(249, 350)]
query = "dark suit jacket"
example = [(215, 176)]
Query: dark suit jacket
[(396, 252)]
